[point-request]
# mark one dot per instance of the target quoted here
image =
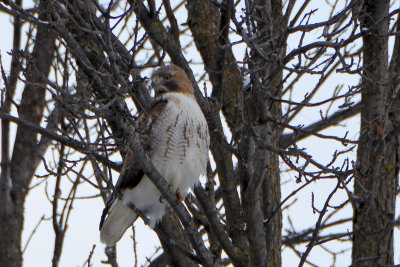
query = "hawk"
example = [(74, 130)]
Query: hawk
[(174, 133)]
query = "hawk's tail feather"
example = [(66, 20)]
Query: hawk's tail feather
[(118, 220)]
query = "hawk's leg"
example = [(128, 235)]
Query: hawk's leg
[(179, 196)]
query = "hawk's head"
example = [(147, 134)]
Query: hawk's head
[(171, 79)]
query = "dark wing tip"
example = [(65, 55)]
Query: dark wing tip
[(107, 209), (103, 216)]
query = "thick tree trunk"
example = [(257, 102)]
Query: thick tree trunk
[(259, 173), (260, 184), (377, 160), (271, 187), (25, 157), (207, 25), (11, 214)]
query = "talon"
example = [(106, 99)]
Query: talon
[(179, 196)]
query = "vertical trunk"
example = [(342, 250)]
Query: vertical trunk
[(25, 157), (271, 200), (10, 228), (11, 212), (377, 161), (272, 184), (208, 23), (260, 179)]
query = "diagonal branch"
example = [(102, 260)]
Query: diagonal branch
[(68, 141), (289, 139)]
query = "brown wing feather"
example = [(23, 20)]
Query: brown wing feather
[(131, 173), (147, 120)]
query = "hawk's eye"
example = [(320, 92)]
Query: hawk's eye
[(167, 76)]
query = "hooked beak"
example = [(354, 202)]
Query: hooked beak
[(153, 82), (158, 89)]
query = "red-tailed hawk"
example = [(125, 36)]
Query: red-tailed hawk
[(174, 134)]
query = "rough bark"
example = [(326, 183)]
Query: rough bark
[(259, 171), (208, 27), (25, 156), (271, 187), (377, 160), (171, 226)]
